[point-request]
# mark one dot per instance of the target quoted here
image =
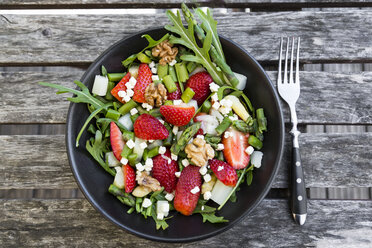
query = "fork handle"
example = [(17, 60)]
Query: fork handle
[(298, 190)]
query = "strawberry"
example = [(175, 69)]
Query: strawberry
[(147, 127), (176, 94), (143, 80), (185, 201), (196, 119), (235, 146), (129, 178), (164, 171), (120, 87), (199, 83), (178, 115), (224, 172), (116, 140)]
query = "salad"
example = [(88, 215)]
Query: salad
[(174, 128)]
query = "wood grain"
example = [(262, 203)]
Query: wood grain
[(326, 98), (329, 160), (68, 39), (51, 223)]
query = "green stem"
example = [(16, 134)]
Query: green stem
[(234, 189)]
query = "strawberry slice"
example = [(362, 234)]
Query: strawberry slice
[(176, 94), (120, 87), (164, 171), (129, 178), (116, 140), (178, 115), (143, 80), (199, 83), (235, 146), (147, 127), (224, 172), (184, 200)]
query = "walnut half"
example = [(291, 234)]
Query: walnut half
[(165, 51), (148, 181), (155, 95), (199, 152)]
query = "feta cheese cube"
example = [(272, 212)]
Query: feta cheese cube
[(140, 167), (178, 174), (203, 170), (132, 81), (175, 130), (146, 203), (173, 62), (224, 110), (149, 162), (215, 97), (177, 102), (151, 141), (133, 111), (220, 168), (185, 162), (126, 98), (207, 195), (174, 157), (162, 150), (169, 196), (124, 161), (155, 78), (161, 121), (195, 190), (130, 144), (202, 207), (226, 134), (160, 216), (207, 178), (214, 87), (249, 150), (234, 117), (200, 136), (122, 93), (220, 147), (162, 207), (154, 70), (216, 105), (130, 92), (152, 64), (143, 145)]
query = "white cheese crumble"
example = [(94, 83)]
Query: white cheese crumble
[(214, 87), (154, 70), (147, 106), (234, 117), (124, 161), (151, 141), (152, 64), (122, 93), (178, 174), (133, 111), (162, 150), (185, 162), (160, 216), (161, 121), (224, 110), (130, 92), (132, 81), (226, 134), (216, 105), (174, 157), (126, 98), (200, 136), (203, 170), (146, 203), (175, 130), (169, 197), (177, 102), (149, 164), (207, 195), (215, 97), (143, 145), (220, 147), (173, 62), (130, 144), (195, 190), (155, 78), (226, 103), (220, 168), (249, 150), (140, 167), (207, 177)]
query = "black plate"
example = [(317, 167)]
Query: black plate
[(94, 181)]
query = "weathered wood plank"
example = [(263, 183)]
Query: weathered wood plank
[(326, 98), (326, 36), (329, 160), (176, 3), (51, 223)]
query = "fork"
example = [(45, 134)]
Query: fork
[(290, 91)]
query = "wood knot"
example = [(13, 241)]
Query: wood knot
[(47, 32)]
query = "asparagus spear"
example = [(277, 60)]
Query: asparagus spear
[(185, 138), (217, 58)]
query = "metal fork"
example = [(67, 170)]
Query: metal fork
[(290, 91)]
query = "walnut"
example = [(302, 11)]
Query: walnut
[(141, 191), (165, 51), (155, 94), (146, 180), (199, 152)]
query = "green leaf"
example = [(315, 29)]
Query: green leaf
[(96, 148), (249, 177), (187, 39), (221, 91), (210, 25), (212, 218)]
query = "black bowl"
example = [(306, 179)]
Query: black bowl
[(94, 181)]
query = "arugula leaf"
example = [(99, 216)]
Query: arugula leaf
[(187, 39), (96, 148), (249, 177), (128, 61), (159, 223), (221, 91), (201, 205), (82, 96), (212, 218), (208, 23)]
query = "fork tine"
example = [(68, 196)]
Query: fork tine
[(298, 62), (291, 64), (280, 61), (286, 62)]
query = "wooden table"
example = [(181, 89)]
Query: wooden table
[(40, 204)]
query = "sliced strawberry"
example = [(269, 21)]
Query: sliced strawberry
[(199, 83), (178, 115), (120, 87), (196, 119), (176, 94), (164, 171), (147, 127), (185, 201), (129, 178), (143, 80), (224, 172), (116, 140), (235, 146)]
